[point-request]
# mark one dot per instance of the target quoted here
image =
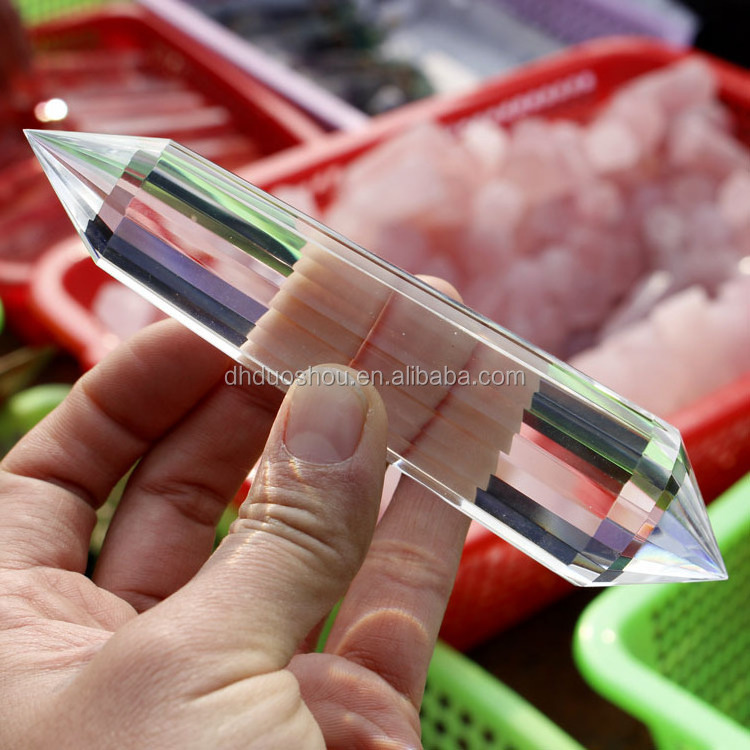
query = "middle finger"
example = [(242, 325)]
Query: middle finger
[(391, 615), (164, 527)]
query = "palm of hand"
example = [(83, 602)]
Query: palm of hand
[(170, 646), (54, 623)]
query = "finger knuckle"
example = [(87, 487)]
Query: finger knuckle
[(291, 515), (409, 564), (193, 500)]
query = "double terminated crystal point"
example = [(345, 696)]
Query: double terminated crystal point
[(575, 476)]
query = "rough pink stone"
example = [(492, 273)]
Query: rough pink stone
[(559, 230), (486, 142), (418, 176), (733, 322), (683, 326), (687, 190), (677, 87), (611, 146), (600, 203), (557, 274), (593, 297), (664, 232), (489, 246), (568, 138), (707, 228), (694, 142), (631, 362), (427, 138), (533, 163), (511, 301), (642, 115), (639, 302), (734, 200), (669, 359), (499, 205), (546, 223), (407, 246)]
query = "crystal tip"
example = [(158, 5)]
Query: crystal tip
[(683, 541)]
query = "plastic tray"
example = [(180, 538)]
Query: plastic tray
[(678, 657), (466, 708), (102, 63), (496, 585)]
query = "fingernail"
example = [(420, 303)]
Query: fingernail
[(325, 417)]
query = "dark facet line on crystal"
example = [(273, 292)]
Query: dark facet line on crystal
[(500, 500), (590, 458), (258, 243), (553, 533), (187, 286), (589, 426), (627, 438)]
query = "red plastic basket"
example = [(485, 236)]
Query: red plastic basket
[(99, 61), (497, 585)]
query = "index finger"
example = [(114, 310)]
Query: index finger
[(53, 481)]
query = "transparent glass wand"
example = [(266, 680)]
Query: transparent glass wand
[(583, 481)]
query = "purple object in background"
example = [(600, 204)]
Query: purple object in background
[(575, 21)]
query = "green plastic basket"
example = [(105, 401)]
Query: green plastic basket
[(36, 11), (678, 656), (466, 708)]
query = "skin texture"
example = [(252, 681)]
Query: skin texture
[(170, 646)]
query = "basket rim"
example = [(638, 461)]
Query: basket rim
[(497, 705), (293, 165)]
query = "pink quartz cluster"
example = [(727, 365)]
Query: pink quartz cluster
[(620, 240)]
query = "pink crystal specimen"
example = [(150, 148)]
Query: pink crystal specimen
[(734, 201), (565, 232), (689, 345)]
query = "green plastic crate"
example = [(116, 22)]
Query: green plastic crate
[(36, 11), (678, 656), (466, 708)]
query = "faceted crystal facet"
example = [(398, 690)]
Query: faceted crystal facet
[(583, 481)]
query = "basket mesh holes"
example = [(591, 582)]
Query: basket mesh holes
[(702, 638)]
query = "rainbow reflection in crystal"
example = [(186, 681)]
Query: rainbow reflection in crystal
[(583, 481)]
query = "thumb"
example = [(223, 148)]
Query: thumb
[(303, 531)]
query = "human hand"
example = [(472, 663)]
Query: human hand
[(171, 646)]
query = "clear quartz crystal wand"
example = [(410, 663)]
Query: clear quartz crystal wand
[(586, 483)]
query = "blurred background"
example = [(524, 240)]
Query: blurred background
[(589, 188)]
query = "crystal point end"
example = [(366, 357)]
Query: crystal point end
[(681, 547), (84, 168)]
